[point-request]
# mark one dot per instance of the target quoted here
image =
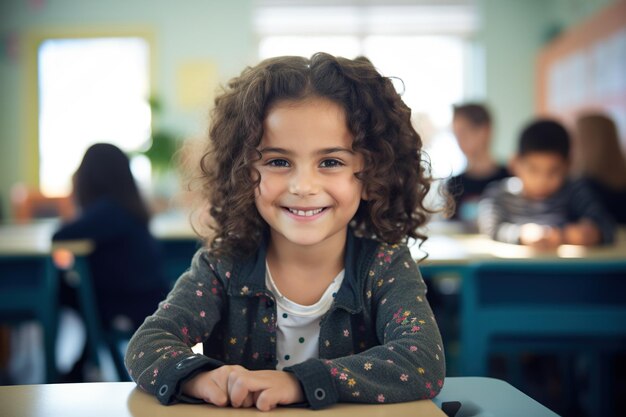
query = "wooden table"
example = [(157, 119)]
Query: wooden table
[(477, 397), (123, 399)]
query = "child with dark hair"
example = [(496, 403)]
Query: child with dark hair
[(539, 206), (472, 126), (600, 162), (307, 292), (126, 262)]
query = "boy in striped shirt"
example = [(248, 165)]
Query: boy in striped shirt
[(540, 206)]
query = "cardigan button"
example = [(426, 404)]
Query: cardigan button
[(320, 394)]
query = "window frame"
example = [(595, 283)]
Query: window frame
[(29, 147)]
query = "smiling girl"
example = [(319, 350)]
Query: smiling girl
[(306, 292)]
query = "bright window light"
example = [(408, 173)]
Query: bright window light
[(431, 70), (432, 74), (90, 90)]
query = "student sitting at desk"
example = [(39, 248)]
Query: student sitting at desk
[(472, 126), (126, 262), (599, 161), (307, 292), (539, 206)]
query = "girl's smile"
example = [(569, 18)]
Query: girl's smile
[(305, 213)]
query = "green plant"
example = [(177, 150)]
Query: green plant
[(163, 144), (161, 151)]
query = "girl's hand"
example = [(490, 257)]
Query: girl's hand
[(212, 386), (266, 389)]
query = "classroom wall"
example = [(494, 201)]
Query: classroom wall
[(512, 33), (568, 13), (582, 84), (184, 32)]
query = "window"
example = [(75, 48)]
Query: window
[(90, 90), (424, 45)]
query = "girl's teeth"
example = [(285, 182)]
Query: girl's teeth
[(306, 213)]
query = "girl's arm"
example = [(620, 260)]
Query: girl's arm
[(408, 364), (159, 356)]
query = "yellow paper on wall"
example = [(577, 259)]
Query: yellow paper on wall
[(196, 84)]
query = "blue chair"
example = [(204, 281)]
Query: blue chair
[(443, 282), (97, 336), (559, 307), (177, 256), (29, 290)]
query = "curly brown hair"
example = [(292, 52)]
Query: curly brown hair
[(396, 177)]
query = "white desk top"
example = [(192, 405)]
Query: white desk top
[(35, 239), (443, 249), (460, 249)]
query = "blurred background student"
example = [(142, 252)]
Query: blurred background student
[(540, 206), (472, 126), (599, 161), (126, 262)]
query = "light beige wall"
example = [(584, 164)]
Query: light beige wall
[(181, 31), (511, 36)]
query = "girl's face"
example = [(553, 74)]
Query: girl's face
[(308, 191)]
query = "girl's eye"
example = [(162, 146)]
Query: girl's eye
[(279, 163), (331, 163)]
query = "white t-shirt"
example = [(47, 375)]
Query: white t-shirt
[(298, 326)]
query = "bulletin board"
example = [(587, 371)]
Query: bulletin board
[(584, 69)]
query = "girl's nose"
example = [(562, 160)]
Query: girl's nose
[(303, 182)]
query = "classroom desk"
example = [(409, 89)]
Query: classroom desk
[(478, 397), (446, 247), (444, 250), (35, 239), (489, 397), (450, 253), (122, 399), (464, 249)]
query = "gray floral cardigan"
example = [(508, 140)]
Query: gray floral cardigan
[(379, 342)]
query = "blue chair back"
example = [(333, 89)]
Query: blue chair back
[(177, 257), (97, 336), (29, 290)]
